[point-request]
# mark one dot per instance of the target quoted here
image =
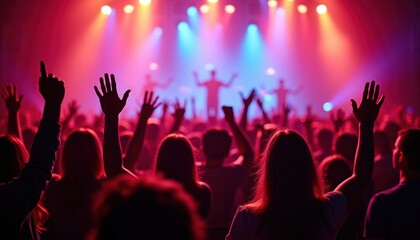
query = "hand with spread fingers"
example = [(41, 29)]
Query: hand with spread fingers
[(149, 105), (111, 103), (368, 110), (12, 99)]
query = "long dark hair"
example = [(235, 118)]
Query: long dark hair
[(175, 160), (289, 193)]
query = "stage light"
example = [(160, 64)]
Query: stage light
[(192, 11), (182, 26), (153, 66), (158, 31), (321, 9), (252, 28), (230, 9), (107, 10), (209, 67), (271, 71), (327, 106), (128, 9), (204, 8), (302, 9), (281, 11), (212, 1), (272, 3), (145, 2)]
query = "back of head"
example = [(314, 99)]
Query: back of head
[(325, 138), (345, 144), (216, 144), (410, 146), (13, 157), (392, 128), (146, 208), (81, 156), (153, 129), (175, 160), (335, 169), (287, 174)]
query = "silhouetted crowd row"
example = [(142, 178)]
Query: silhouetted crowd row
[(280, 177)]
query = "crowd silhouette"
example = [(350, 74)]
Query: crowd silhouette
[(169, 177)]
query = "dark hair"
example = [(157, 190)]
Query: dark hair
[(216, 143), (334, 169), (145, 208), (289, 192), (175, 160), (345, 144), (410, 146), (81, 157)]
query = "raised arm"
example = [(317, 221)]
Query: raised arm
[(13, 102), (22, 194), (136, 144), (178, 116), (244, 147), (197, 80), (232, 78), (111, 105), (261, 107), (366, 114), (246, 102), (338, 119)]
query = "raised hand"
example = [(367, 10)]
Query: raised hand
[(51, 89), (368, 110), (73, 108), (149, 105), (111, 103), (179, 110), (248, 100), (228, 111), (338, 119), (10, 97)]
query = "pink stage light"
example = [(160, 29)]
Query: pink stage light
[(153, 66), (106, 10), (321, 9), (204, 9), (230, 9), (212, 1), (145, 2), (128, 9), (302, 9), (272, 3)]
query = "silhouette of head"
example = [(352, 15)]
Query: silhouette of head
[(213, 74), (81, 157), (287, 159), (13, 157), (335, 169), (407, 146), (345, 144), (324, 138), (175, 160), (216, 144), (146, 208)]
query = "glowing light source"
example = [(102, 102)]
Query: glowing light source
[(327, 106), (107, 10), (128, 9), (321, 9), (153, 66), (302, 9), (272, 3), (252, 28), (209, 67), (157, 31), (281, 11), (212, 1), (192, 11), (182, 26), (230, 9), (145, 2), (204, 8), (270, 71)]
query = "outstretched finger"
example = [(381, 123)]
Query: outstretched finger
[(242, 95), (43, 70), (124, 99), (97, 92), (101, 81), (371, 90), (365, 91), (107, 82), (145, 97), (353, 105), (155, 101), (375, 96), (381, 101), (150, 97), (113, 83)]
